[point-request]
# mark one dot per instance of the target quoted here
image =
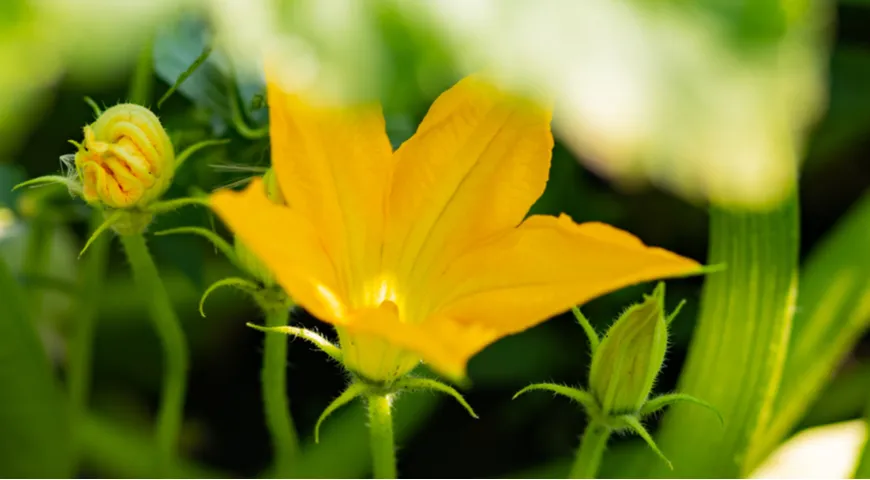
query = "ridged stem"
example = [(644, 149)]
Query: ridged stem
[(381, 434), (285, 441), (591, 451), (175, 354)]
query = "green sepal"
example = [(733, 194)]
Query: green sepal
[(172, 205), (676, 311), (187, 152), (353, 391), (591, 334), (110, 220), (316, 339), (242, 284), (631, 422), (584, 398), (70, 183), (96, 108), (657, 403), (212, 237), (419, 383)]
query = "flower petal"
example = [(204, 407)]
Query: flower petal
[(287, 243), (520, 279), (545, 267), (334, 167), (477, 163)]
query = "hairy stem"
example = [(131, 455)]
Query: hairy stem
[(381, 430), (591, 450), (285, 441), (174, 347)]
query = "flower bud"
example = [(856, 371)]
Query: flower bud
[(126, 159), (626, 363)]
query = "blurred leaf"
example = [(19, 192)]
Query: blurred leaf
[(177, 47), (843, 399), (848, 117), (34, 420), (737, 353), (834, 310), (10, 175), (116, 450)]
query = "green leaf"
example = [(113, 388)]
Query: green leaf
[(114, 449), (178, 46), (34, 419), (737, 354), (834, 313)]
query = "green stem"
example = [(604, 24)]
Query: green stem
[(174, 347), (36, 258), (86, 308), (737, 354), (285, 442), (143, 79), (591, 450), (381, 431)]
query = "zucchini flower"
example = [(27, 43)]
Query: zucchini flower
[(425, 253)]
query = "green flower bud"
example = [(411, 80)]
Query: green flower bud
[(626, 363)]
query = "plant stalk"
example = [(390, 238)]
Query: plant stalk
[(81, 341), (171, 335), (591, 451), (285, 441), (381, 431)]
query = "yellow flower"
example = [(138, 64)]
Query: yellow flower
[(424, 253), (126, 158)]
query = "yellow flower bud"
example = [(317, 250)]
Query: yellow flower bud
[(627, 362), (126, 159)]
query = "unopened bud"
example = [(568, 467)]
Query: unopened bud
[(627, 362), (126, 159)]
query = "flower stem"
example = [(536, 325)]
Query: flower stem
[(381, 430), (174, 347), (81, 341), (591, 450), (285, 442), (142, 82)]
